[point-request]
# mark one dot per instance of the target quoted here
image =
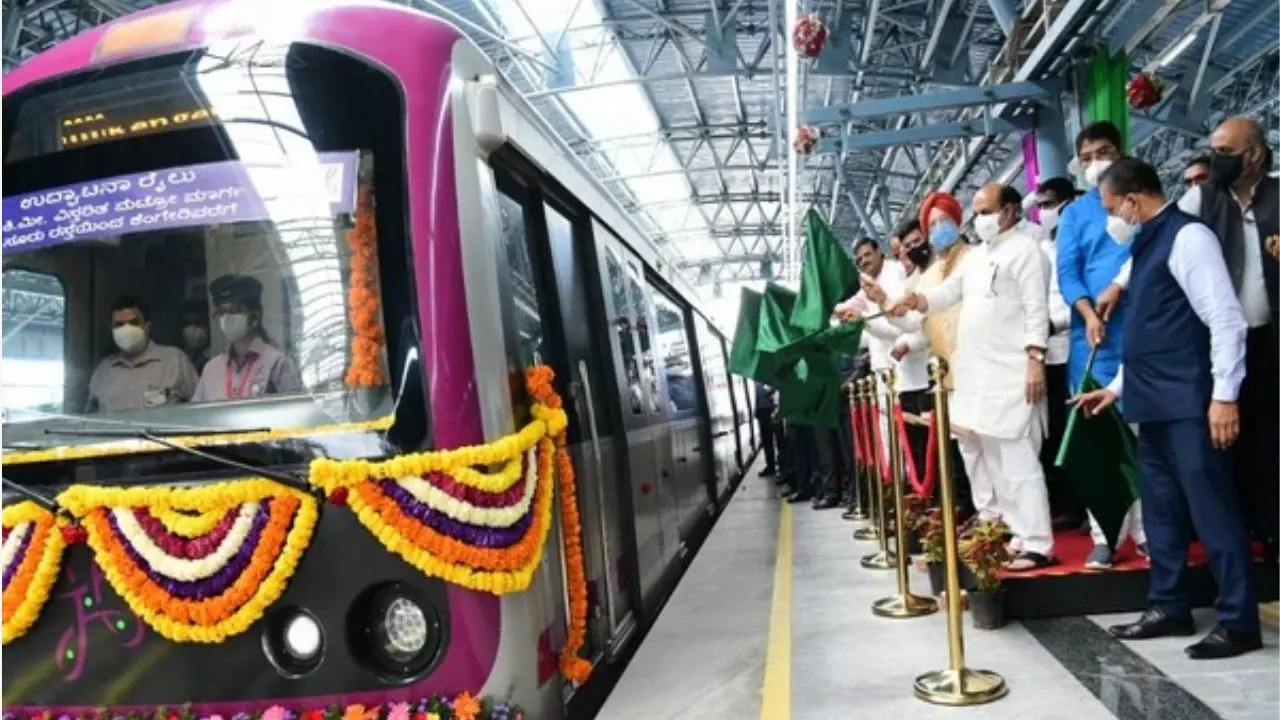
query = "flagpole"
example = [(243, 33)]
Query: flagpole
[(1074, 415)]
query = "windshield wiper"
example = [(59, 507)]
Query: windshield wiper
[(291, 480), (43, 501)]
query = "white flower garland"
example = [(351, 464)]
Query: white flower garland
[(13, 543), (182, 568), (461, 510)]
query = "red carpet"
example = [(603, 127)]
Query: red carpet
[(1073, 547)]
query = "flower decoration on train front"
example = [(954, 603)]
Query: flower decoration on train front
[(806, 139), (463, 706), (809, 35), (1145, 90), (364, 299), (31, 557), (196, 564)]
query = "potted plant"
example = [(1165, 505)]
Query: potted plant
[(985, 553), (934, 546), (914, 512)]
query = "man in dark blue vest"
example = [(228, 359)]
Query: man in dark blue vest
[(1183, 362)]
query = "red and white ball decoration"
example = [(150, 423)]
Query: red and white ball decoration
[(1144, 91), (809, 35), (806, 139)]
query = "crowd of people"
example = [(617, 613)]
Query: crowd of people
[(1171, 309)]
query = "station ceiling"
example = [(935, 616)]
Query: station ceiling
[(679, 106)]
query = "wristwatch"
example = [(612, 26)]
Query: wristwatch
[(1036, 354)]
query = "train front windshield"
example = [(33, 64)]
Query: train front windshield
[(190, 242)]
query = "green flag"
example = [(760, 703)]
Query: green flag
[(1098, 456), (775, 330), (827, 276), (744, 357)]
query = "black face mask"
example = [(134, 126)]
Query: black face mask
[(920, 254), (1225, 170)]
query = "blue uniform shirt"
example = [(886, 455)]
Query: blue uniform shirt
[(1088, 261)]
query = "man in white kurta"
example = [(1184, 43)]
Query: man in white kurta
[(999, 366)]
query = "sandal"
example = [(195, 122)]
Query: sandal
[(1028, 561)]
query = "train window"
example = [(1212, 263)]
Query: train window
[(35, 333), (648, 373), (674, 356), (524, 288), (624, 324)]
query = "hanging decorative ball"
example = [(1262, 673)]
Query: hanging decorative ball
[(806, 139), (1144, 91), (809, 35)]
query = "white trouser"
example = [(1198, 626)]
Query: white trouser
[(1007, 481), (1131, 527)]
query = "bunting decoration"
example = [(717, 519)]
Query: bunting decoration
[(31, 557), (197, 564)]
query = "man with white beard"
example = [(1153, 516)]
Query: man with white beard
[(999, 366)]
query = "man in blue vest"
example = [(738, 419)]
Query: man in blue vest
[(1088, 262), (1184, 353)]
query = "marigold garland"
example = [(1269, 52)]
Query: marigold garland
[(364, 298), (222, 598), (140, 447), (33, 554)]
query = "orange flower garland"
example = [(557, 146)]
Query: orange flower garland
[(365, 300), (28, 588), (574, 668)]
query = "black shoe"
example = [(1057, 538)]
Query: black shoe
[(1153, 624), (850, 514), (825, 503), (799, 497), (1224, 643), (768, 472)]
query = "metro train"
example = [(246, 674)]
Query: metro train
[(297, 149)]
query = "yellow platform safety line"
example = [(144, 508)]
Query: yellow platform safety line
[(776, 701)]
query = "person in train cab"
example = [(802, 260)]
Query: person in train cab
[(1052, 197), (765, 405), (143, 373), (1241, 203), (195, 333), (934, 244), (1087, 264), (250, 367), (999, 368), (1197, 172), (1184, 362)]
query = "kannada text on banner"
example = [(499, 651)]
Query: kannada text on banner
[(187, 196)]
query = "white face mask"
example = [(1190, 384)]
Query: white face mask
[(987, 227), (129, 338), (195, 336), (1093, 173), (1121, 230), (1049, 218), (235, 327)]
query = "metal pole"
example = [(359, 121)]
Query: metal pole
[(956, 685), (867, 473), (882, 559), (858, 510), (903, 604)]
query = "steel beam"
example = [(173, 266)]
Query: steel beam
[(919, 134), (929, 102), (1005, 14)]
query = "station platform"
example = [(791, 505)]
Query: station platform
[(773, 621)]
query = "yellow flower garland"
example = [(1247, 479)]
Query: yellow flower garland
[(140, 447), (189, 524), (81, 500), (21, 614)]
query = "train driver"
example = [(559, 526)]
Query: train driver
[(144, 373), (250, 367)]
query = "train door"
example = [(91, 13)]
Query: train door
[(544, 284), (642, 417), (675, 362)]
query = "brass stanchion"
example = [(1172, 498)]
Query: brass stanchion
[(956, 685), (903, 604), (859, 509), (881, 559), (869, 470)]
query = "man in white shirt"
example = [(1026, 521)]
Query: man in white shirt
[(999, 366), (1183, 364), (883, 279), (1242, 206)]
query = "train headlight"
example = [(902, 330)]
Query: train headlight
[(394, 631), (293, 641)]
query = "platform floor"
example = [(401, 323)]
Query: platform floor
[(773, 621)]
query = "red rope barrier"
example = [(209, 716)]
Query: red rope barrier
[(878, 442), (909, 461), (853, 427)]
